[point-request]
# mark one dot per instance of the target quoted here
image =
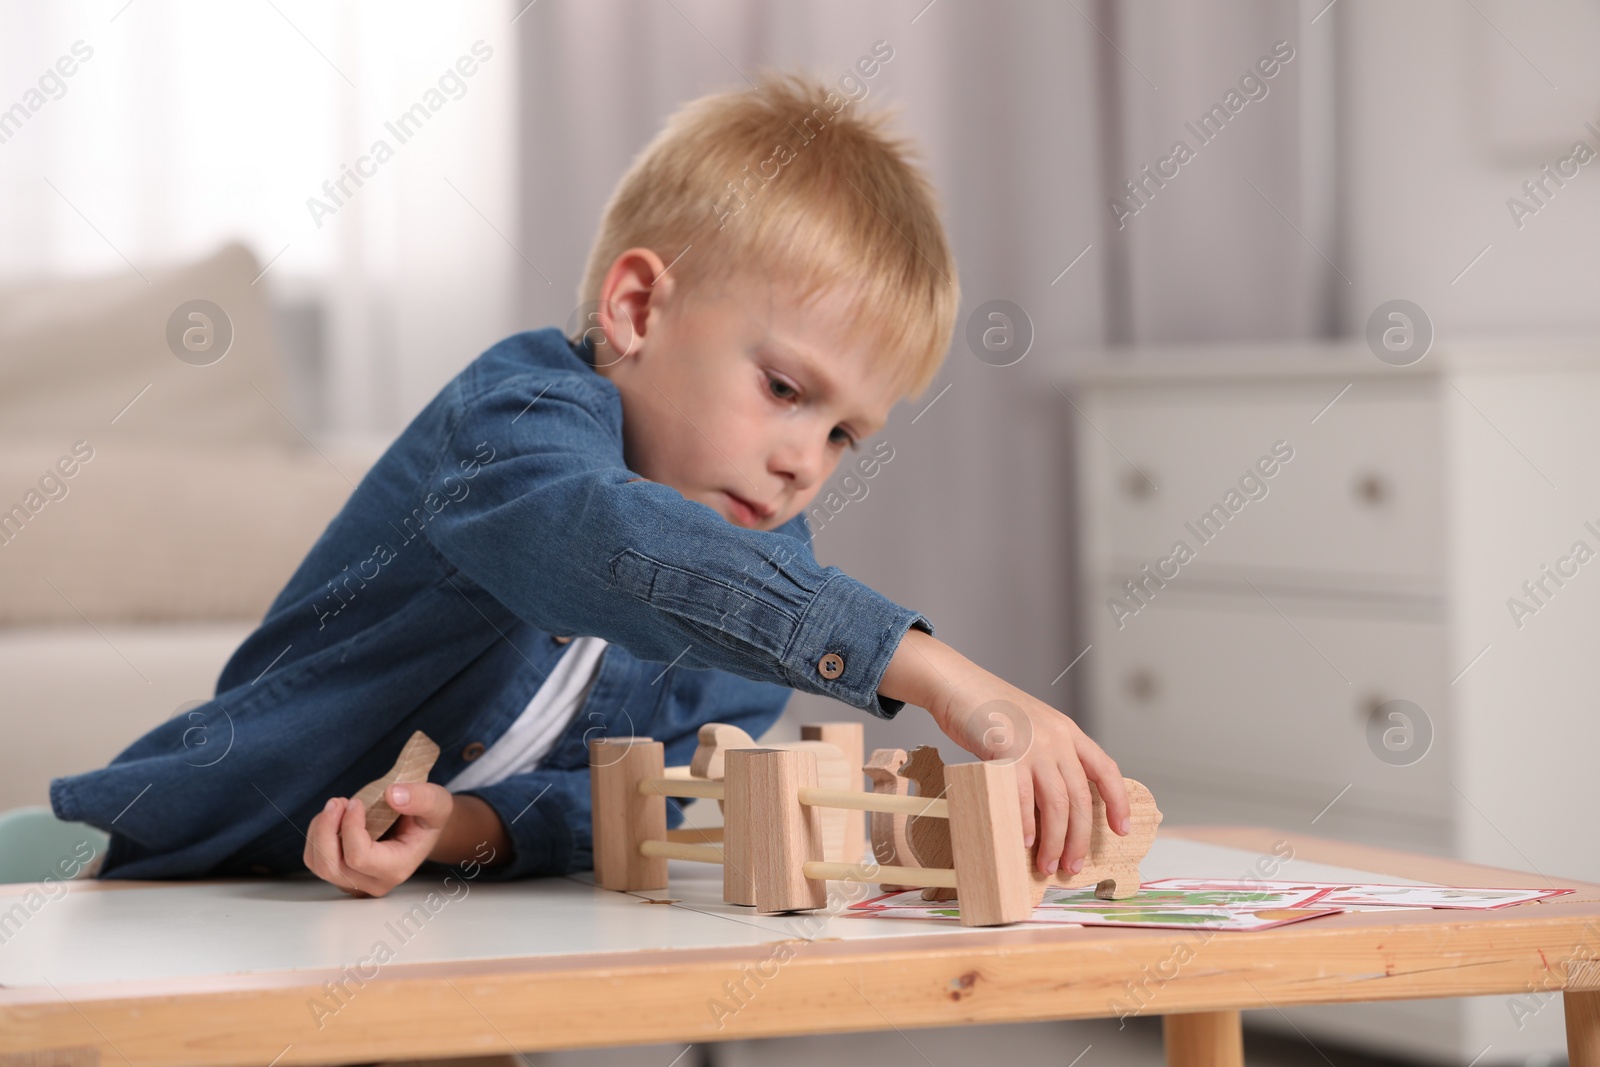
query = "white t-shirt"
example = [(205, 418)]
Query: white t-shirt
[(535, 730)]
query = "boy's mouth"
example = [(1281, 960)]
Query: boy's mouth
[(747, 513)]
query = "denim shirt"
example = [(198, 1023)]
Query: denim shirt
[(501, 520)]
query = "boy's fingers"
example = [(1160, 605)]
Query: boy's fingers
[(357, 884), (353, 836), (1115, 794), (1025, 798), (322, 841), (1050, 794), (362, 864), (1108, 776), (1081, 819), (325, 853), (427, 803), (425, 810), (306, 855)]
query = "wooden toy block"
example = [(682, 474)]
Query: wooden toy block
[(850, 739), (624, 816), (786, 833), (834, 771), (889, 844), (985, 836), (738, 885), (415, 761)]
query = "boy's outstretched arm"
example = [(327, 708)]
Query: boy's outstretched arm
[(993, 719)]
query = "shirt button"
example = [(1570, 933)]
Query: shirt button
[(260, 868), (561, 639), (831, 665), (472, 751)]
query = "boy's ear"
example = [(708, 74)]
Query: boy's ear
[(636, 284)]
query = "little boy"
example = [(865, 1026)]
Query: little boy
[(606, 535)]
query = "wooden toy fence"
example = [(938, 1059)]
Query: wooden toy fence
[(771, 847)]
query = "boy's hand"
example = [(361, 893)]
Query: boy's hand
[(339, 849), (995, 720), (1055, 762)]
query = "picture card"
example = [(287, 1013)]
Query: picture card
[(910, 905), (1374, 894), (1150, 895)]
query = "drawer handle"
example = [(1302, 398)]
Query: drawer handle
[(1373, 490), (1142, 685)]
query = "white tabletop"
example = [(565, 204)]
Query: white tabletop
[(84, 935)]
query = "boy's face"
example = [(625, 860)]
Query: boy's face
[(735, 395)]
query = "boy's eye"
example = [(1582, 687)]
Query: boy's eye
[(782, 390)]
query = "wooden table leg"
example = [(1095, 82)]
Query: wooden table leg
[(1582, 1008), (1208, 1039)]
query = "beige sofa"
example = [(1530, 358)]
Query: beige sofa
[(151, 506)]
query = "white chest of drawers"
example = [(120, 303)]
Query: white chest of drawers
[(1247, 675)]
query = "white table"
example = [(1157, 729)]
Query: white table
[(286, 971)]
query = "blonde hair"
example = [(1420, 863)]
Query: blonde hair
[(787, 177)]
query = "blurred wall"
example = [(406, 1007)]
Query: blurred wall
[(1448, 109)]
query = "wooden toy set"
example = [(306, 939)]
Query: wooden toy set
[(793, 819)]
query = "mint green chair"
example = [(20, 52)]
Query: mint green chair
[(35, 845)]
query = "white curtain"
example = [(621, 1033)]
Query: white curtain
[(185, 124)]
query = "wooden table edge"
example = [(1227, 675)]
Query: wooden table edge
[(1015, 974)]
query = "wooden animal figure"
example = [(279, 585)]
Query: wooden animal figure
[(833, 772), (416, 760), (1112, 865), (889, 845), (929, 838), (716, 738)]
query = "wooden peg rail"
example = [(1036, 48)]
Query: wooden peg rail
[(777, 854), (839, 872), (681, 787), (678, 850), (856, 872), (932, 807)]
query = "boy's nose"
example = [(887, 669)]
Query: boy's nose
[(799, 467)]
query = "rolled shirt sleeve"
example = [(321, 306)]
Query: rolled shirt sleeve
[(546, 517), (545, 813)]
